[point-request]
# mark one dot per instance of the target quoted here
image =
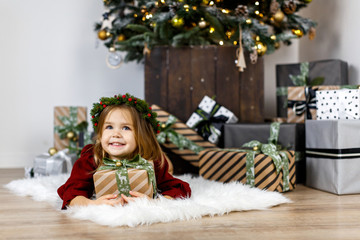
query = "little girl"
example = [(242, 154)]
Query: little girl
[(125, 127)]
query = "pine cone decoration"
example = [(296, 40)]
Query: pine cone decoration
[(289, 7), (242, 10)]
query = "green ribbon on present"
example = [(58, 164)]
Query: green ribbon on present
[(121, 174), (302, 79), (273, 150), (71, 125), (179, 140)]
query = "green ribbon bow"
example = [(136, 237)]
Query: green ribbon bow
[(121, 174), (273, 150), (280, 158), (300, 80), (71, 125), (179, 140)]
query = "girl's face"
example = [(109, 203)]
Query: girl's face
[(118, 135)]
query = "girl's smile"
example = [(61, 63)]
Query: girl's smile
[(118, 137)]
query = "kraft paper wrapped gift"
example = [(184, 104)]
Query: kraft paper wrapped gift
[(209, 118), (226, 165), (106, 182), (338, 104), (291, 136), (61, 162), (190, 134), (333, 72), (69, 116), (302, 102), (333, 155)]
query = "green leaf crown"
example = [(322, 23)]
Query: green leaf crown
[(140, 105)]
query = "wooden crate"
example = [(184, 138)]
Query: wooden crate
[(178, 78)]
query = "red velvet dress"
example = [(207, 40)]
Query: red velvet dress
[(81, 181)]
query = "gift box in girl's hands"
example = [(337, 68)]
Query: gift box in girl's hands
[(209, 118)]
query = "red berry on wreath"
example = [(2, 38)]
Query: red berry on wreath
[(129, 99), (149, 114)]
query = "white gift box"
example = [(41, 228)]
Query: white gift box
[(207, 105), (338, 104)]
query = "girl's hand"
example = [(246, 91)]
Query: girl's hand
[(109, 199), (134, 195)]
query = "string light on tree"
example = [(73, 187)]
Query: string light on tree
[(132, 25)]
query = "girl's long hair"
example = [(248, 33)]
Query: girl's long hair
[(147, 145)]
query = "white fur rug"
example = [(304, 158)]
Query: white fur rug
[(208, 198)]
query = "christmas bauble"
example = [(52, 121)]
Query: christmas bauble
[(70, 135), (255, 148), (121, 37), (297, 32), (102, 35), (277, 45), (260, 48), (52, 151), (114, 59), (177, 21), (202, 24), (279, 16)]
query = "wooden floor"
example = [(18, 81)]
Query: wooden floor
[(312, 215)]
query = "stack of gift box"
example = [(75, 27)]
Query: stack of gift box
[(316, 110), (70, 135)]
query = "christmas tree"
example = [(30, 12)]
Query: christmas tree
[(259, 26)]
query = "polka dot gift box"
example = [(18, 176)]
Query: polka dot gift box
[(338, 104)]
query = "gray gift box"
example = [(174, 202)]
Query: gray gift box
[(46, 165), (334, 72), (291, 136), (333, 155)]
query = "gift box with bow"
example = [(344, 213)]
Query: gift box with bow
[(60, 162), (302, 102), (179, 138), (121, 176), (324, 72), (209, 118), (69, 121), (264, 166)]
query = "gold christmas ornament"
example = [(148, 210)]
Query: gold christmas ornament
[(297, 32), (70, 135), (118, 164), (261, 48), (177, 21), (74, 139), (52, 151), (255, 148), (102, 34), (279, 16), (121, 37), (163, 125), (111, 49), (202, 23)]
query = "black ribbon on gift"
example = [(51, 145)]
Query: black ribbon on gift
[(203, 127), (299, 107)]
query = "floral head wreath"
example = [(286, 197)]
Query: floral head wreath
[(140, 105)]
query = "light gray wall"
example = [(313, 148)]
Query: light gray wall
[(48, 57)]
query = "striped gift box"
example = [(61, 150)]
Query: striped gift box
[(105, 182), (59, 143), (189, 133), (226, 166)]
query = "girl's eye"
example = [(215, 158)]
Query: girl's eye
[(109, 127), (126, 128)]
